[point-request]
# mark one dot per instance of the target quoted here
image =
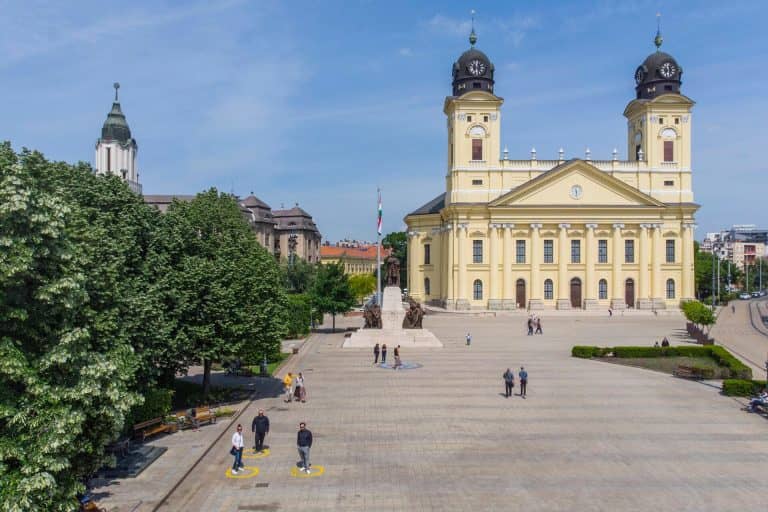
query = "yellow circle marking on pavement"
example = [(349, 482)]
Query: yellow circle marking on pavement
[(246, 472), (250, 453), (314, 471)]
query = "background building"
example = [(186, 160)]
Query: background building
[(296, 235), (357, 259), (581, 233), (116, 150), (741, 244)]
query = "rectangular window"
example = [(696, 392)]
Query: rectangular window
[(669, 183), (575, 251), (661, 120), (629, 251), (427, 256), (670, 251), (477, 149), (548, 252), (477, 182), (485, 119), (637, 152), (602, 251), (677, 120), (109, 159), (520, 251), (469, 119), (669, 151), (477, 251)]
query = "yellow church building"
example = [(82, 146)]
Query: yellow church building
[(565, 234)]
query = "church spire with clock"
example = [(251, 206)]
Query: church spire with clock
[(474, 119), (116, 149)]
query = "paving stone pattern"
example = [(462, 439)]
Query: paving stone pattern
[(590, 436)]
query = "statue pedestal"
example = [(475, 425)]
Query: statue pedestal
[(392, 332)]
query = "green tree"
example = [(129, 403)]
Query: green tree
[(362, 285), (398, 242), (299, 275), (331, 292), (66, 362), (225, 294), (698, 313)]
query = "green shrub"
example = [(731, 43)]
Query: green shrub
[(703, 372), (299, 315), (583, 352), (223, 412), (724, 358), (742, 387), (157, 404)]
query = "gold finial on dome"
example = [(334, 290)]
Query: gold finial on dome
[(472, 35), (658, 39)]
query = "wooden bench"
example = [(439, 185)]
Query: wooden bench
[(151, 427), (685, 372), (204, 415)]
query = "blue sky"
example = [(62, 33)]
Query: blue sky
[(320, 102)]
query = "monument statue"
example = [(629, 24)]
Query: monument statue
[(372, 316), (393, 271), (413, 316)]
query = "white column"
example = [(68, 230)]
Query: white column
[(657, 290), (461, 251), (535, 286), (563, 302), (508, 294), (493, 266), (415, 278), (617, 292), (590, 290), (643, 295), (450, 295), (687, 274)]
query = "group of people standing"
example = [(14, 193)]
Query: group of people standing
[(382, 350), (260, 428), (534, 325), (295, 387), (509, 381)]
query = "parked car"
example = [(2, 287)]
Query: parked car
[(744, 296), (762, 293), (755, 294)]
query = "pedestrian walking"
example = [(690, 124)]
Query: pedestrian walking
[(469, 339), (530, 326), (376, 353), (509, 382), (665, 342), (304, 443), (298, 384), (237, 449), (523, 381), (260, 427), (610, 312), (538, 326), (288, 385), (384, 353), (302, 388), (398, 363)]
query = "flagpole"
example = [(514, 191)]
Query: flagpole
[(378, 252)]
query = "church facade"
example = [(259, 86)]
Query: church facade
[(565, 234)]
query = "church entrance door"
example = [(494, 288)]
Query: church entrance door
[(520, 293), (629, 293), (576, 292)]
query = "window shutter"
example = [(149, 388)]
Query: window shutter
[(668, 151)]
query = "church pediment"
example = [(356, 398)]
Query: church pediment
[(575, 183)]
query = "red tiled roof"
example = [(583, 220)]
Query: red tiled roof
[(365, 253)]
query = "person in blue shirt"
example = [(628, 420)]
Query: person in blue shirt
[(523, 380)]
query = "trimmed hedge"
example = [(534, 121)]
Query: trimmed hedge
[(157, 404), (742, 387), (718, 354)]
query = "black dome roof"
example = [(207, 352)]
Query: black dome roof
[(116, 127), (658, 74), (472, 71)]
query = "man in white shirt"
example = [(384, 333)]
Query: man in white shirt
[(237, 449)]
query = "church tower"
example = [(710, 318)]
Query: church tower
[(474, 119), (116, 149), (659, 118)]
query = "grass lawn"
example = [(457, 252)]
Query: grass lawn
[(668, 364)]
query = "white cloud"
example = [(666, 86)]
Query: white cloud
[(405, 52), (444, 24)]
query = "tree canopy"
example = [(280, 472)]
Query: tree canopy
[(331, 292), (362, 285)]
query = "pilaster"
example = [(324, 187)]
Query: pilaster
[(644, 300), (535, 299), (687, 273), (590, 287), (657, 289), (462, 300), (494, 302), (509, 301), (563, 301), (617, 290)]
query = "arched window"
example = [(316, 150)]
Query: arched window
[(477, 290), (549, 292), (670, 288), (426, 286), (602, 289)]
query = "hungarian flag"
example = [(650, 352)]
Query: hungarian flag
[(379, 222)]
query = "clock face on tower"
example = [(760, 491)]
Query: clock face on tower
[(476, 67), (639, 74), (667, 70)]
